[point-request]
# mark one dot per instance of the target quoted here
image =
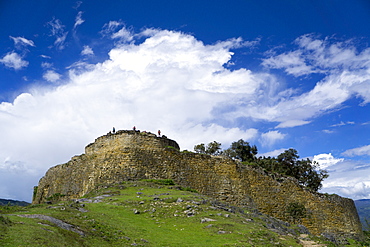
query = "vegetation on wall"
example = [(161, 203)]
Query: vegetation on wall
[(307, 172)]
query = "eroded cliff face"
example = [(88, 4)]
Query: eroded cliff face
[(131, 155)]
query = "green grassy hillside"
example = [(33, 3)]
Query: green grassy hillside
[(146, 213)]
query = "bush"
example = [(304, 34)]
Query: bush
[(296, 211), (4, 220)]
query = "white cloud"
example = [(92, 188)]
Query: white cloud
[(51, 76), (78, 4), (292, 123), (123, 34), (13, 60), (22, 41), (328, 131), (349, 179), (326, 160), (273, 153), (57, 30), (112, 26), (346, 74), (46, 65), (360, 151), (271, 137), (318, 56), (171, 82), (343, 123), (79, 20), (292, 62), (87, 51)]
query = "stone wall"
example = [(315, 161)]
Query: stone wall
[(131, 155)]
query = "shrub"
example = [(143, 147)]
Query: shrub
[(296, 211)]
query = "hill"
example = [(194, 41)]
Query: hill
[(13, 202), (148, 213), (363, 209)]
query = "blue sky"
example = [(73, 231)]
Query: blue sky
[(279, 74)]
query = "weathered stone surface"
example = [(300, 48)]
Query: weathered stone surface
[(131, 155)]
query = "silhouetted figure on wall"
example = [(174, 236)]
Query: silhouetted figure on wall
[(134, 128), (114, 130), (159, 133)]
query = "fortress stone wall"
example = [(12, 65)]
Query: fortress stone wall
[(131, 155)]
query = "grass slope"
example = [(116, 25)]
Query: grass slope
[(144, 213)]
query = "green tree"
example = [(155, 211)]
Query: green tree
[(306, 171), (296, 211), (242, 150), (200, 148), (212, 148)]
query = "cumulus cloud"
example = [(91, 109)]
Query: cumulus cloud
[(360, 151), (51, 76), (167, 80), (87, 51), (350, 179), (14, 60), (170, 81), (271, 137), (326, 160)]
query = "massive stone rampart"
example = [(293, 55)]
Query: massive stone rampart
[(131, 155)]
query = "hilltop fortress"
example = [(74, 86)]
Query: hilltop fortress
[(133, 155)]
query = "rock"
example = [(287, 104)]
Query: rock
[(82, 210), (206, 220), (136, 211), (302, 229)]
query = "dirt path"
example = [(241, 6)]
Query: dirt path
[(308, 243), (57, 222)]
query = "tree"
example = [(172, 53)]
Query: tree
[(241, 150), (307, 172), (200, 148), (213, 148)]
